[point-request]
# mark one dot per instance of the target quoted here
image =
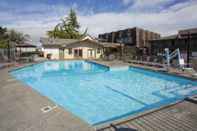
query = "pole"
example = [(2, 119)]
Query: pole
[(8, 50), (121, 51), (188, 49)]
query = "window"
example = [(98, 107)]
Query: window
[(69, 51), (98, 51)]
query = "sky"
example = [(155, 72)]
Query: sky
[(36, 17)]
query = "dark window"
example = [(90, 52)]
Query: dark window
[(69, 51)]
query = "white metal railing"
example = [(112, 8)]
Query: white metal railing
[(169, 56)]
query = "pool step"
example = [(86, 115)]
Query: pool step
[(175, 91), (119, 68)]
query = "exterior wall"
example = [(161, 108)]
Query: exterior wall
[(158, 46), (68, 52), (184, 40), (85, 55), (53, 51), (134, 36), (67, 55), (86, 47), (143, 36)]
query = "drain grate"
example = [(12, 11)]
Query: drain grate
[(48, 108)]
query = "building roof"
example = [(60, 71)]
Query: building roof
[(188, 31), (46, 42), (133, 28), (26, 45), (183, 34), (66, 43)]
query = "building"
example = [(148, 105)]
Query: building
[(133, 37), (86, 48), (185, 40), (23, 48)]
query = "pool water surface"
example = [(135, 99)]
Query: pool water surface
[(97, 95)]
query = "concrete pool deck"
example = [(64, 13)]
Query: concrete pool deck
[(20, 109)]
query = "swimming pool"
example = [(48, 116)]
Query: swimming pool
[(97, 95)]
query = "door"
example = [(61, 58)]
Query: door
[(80, 53), (90, 53), (75, 52), (61, 54)]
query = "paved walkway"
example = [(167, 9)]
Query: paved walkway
[(180, 117), (20, 110)]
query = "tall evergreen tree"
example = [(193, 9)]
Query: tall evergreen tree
[(72, 20), (68, 28)]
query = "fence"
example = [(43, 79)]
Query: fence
[(7, 54)]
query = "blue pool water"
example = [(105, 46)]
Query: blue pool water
[(97, 95)]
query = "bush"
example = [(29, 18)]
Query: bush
[(3, 44)]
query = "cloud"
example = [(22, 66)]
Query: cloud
[(149, 6), (126, 2), (36, 21), (165, 22)]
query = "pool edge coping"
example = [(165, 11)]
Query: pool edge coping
[(136, 116)]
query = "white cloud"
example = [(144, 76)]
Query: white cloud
[(36, 20), (126, 2), (35, 28), (149, 5), (180, 6), (166, 22)]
